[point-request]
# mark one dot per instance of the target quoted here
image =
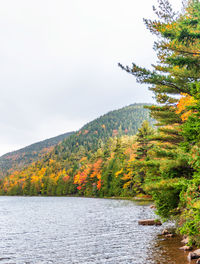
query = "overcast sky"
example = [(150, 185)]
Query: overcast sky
[(58, 64)]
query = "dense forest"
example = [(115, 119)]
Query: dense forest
[(164, 161), (18, 159)]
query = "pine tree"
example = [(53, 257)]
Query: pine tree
[(143, 140)]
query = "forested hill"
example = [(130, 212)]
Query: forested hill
[(84, 142), (18, 159), (124, 121)]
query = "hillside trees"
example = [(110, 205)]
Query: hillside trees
[(86, 162), (112, 170), (138, 166), (124, 121)]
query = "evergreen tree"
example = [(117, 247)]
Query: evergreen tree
[(143, 139)]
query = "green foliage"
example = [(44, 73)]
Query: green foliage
[(166, 202), (166, 194), (191, 225), (143, 139), (191, 127)]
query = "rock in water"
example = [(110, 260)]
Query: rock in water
[(194, 255), (149, 222), (185, 240), (197, 251), (169, 235), (191, 256), (186, 248), (198, 261), (165, 232)]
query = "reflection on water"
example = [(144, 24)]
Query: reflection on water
[(67, 230)]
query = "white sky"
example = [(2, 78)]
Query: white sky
[(58, 63)]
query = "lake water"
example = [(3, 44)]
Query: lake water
[(67, 230)]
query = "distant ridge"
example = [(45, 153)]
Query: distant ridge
[(19, 158)]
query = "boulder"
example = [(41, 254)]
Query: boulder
[(194, 255), (191, 256), (185, 248), (165, 232), (149, 222), (169, 235), (197, 252), (185, 240)]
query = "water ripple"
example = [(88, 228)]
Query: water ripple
[(44, 230)]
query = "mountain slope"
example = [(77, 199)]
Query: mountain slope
[(124, 121), (54, 173), (18, 159)]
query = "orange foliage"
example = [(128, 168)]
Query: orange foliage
[(99, 184), (66, 178), (81, 177), (85, 132), (96, 169), (115, 132), (185, 101), (89, 170)]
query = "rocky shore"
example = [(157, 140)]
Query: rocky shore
[(193, 255)]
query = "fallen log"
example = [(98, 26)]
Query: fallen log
[(150, 222)]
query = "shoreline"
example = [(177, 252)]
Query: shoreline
[(145, 199)]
